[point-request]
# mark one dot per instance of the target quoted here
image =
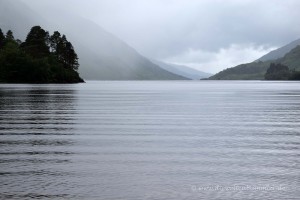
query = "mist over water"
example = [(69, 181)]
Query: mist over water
[(150, 140)]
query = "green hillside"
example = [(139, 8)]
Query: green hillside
[(292, 59), (257, 70)]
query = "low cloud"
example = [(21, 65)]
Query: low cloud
[(207, 34), (214, 62)]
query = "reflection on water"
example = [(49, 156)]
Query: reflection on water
[(150, 140), (33, 148), (30, 110)]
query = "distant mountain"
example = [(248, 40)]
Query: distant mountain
[(256, 70), (280, 52), (105, 57), (102, 56), (182, 70)]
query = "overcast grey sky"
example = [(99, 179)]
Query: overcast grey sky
[(209, 35)]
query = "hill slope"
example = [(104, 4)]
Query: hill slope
[(249, 71), (291, 59), (16, 16), (102, 56), (257, 70)]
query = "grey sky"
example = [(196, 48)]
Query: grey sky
[(206, 34)]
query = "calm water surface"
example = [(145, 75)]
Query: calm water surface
[(150, 140)]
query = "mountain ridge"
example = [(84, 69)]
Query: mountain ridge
[(280, 52)]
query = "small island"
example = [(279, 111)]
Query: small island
[(42, 58)]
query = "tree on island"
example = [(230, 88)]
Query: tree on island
[(64, 51), (9, 36), (2, 38), (36, 43), (40, 59)]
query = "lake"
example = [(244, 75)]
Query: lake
[(135, 140)]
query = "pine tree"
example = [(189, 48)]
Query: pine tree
[(65, 52), (2, 38), (54, 41), (10, 36), (36, 43), (71, 57)]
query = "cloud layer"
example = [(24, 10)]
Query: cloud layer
[(215, 61), (194, 32)]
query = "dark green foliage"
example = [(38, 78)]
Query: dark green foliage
[(70, 57), (295, 75), (2, 38), (9, 36), (66, 54), (281, 72), (54, 41), (292, 59), (64, 51), (36, 43), (32, 61), (277, 72)]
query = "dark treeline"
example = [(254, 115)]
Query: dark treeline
[(281, 72), (42, 58)]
